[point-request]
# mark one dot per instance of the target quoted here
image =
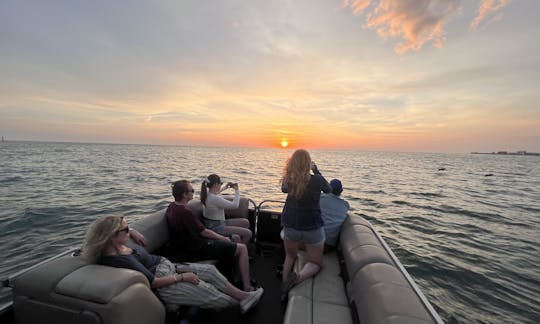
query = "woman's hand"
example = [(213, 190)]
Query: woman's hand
[(314, 168), (190, 277), (137, 237)]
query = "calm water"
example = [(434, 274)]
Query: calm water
[(470, 241)]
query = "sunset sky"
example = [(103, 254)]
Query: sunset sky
[(391, 75)]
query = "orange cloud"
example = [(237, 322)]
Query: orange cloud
[(416, 22), (487, 8)]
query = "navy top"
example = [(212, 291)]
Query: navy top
[(138, 260), (304, 214)]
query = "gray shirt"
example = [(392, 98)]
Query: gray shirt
[(334, 211)]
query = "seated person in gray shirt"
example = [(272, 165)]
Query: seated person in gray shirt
[(334, 211)]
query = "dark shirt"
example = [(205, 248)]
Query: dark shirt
[(304, 214), (184, 227), (138, 260)]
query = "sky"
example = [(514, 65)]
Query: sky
[(388, 75)]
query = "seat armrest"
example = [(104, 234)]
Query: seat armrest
[(98, 283)]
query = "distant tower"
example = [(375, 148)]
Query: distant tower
[(2, 138)]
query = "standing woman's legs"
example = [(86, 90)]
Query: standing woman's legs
[(291, 248), (314, 264)]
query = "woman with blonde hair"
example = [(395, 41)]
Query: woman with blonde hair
[(301, 217), (178, 284)]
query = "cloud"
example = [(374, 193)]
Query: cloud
[(417, 22), (488, 8)]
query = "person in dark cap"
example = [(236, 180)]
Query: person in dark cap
[(334, 211)]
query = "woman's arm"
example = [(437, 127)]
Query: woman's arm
[(175, 278), (137, 237), (325, 186), (223, 203)]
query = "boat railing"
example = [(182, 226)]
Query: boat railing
[(259, 206)]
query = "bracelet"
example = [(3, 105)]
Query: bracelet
[(181, 277), (174, 276)]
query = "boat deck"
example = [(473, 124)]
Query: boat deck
[(269, 310)]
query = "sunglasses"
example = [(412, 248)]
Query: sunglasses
[(125, 229), (192, 190)]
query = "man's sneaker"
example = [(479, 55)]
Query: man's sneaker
[(247, 303)]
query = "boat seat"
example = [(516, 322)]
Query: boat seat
[(321, 299), (358, 283), (241, 212), (70, 290)]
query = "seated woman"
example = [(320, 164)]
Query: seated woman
[(214, 210), (177, 284)]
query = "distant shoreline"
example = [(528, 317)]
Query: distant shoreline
[(509, 153)]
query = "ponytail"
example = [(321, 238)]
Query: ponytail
[(204, 192), (208, 182)]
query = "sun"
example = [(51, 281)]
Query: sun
[(284, 143)]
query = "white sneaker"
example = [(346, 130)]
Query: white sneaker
[(251, 300)]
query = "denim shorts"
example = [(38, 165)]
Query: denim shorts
[(314, 236), (215, 225)]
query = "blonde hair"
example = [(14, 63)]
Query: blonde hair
[(100, 233), (296, 173)]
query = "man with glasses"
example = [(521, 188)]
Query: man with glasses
[(189, 235)]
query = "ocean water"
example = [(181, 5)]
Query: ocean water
[(470, 241)]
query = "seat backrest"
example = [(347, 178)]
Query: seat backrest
[(154, 228), (241, 212)]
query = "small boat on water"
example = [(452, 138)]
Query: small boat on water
[(362, 281)]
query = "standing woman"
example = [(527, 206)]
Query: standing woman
[(214, 210), (301, 217)]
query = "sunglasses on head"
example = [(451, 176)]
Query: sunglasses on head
[(125, 229)]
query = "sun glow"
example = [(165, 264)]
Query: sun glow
[(284, 143)]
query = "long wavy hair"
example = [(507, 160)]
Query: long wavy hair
[(99, 235), (296, 173), (208, 183)]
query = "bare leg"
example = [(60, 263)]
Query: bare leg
[(291, 248), (238, 226), (239, 222), (314, 264), (244, 233), (235, 293), (243, 265)]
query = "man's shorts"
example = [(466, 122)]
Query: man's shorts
[(216, 249)]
